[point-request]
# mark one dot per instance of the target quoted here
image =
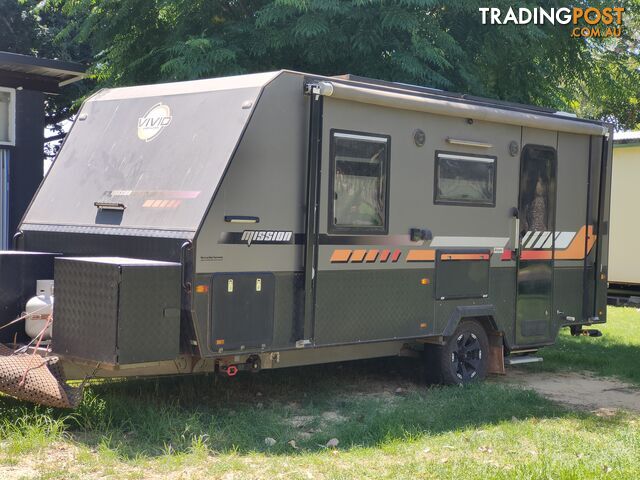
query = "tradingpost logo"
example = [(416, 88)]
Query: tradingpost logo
[(587, 22)]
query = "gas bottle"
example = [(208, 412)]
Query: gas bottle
[(38, 310)]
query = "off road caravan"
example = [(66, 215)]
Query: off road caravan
[(280, 219)]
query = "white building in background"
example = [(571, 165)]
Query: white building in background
[(624, 260)]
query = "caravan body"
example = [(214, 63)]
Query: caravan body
[(282, 219)]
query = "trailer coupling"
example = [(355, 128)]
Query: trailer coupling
[(37, 379)]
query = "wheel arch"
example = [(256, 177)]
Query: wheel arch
[(485, 315)]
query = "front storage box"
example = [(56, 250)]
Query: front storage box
[(116, 310)]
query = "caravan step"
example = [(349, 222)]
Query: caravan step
[(522, 360)]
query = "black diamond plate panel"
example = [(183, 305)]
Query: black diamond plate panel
[(149, 322), (85, 309), (116, 310), (369, 305)]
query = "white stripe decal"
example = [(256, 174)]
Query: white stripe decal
[(564, 239), (542, 239), (533, 239), (549, 242), (545, 240), (479, 242)]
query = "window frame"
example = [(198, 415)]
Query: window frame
[(350, 229), (11, 142), (460, 203)]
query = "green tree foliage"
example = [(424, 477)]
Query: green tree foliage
[(19, 29), (611, 88), (440, 43)]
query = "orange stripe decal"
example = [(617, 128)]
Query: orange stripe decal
[(371, 256), (340, 256), (396, 256), (384, 255), (576, 250), (358, 256), (465, 256), (421, 256), (536, 255)]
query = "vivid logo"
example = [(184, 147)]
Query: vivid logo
[(156, 119)]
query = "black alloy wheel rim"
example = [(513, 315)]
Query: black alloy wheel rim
[(466, 356)]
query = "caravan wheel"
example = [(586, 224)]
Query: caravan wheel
[(463, 358)]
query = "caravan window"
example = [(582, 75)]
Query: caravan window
[(359, 176), (465, 179), (7, 116)]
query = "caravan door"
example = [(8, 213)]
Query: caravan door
[(536, 207)]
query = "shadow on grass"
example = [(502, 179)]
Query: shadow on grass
[(357, 402)]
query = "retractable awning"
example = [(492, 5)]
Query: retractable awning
[(407, 101)]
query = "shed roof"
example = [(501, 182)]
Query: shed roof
[(626, 138), (34, 73)]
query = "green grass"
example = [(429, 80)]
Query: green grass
[(616, 353), (212, 427)]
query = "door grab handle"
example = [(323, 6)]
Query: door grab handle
[(515, 232), (120, 207)]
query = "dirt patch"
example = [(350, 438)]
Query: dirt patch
[(310, 424), (581, 390), (300, 421), (333, 417), (18, 472)]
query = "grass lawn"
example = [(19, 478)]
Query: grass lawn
[(616, 353), (387, 424)]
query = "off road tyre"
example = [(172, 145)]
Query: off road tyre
[(462, 359)]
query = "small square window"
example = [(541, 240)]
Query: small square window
[(359, 169), (465, 179), (7, 116)]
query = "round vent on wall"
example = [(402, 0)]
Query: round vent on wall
[(514, 148)]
